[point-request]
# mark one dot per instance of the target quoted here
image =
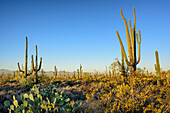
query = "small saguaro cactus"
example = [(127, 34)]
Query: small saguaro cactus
[(14, 73), (25, 71), (110, 74), (36, 69), (80, 71), (131, 42), (55, 71), (42, 72), (157, 68), (74, 73)]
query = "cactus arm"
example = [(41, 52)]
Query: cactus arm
[(36, 58), (128, 37), (123, 50), (119, 63), (40, 64), (20, 68), (132, 40), (130, 27), (139, 42), (32, 62), (134, 19)]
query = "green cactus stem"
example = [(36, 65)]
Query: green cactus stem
[(25, 71), (78, 73), (74, 74), (36, 69), (157, 68), (55, 71), (80, 70), (131, 42), (110, 74)]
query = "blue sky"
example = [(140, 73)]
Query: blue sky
[(73, 32)]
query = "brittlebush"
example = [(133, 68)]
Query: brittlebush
[(139, 94)]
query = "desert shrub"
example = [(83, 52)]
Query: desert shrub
[(137, 95), (5, 78)]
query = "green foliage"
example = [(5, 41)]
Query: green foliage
[(43, 99)]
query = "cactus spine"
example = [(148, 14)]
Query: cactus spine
[(25, 71), (55, 71), (131, 42), (36, 69), (157, 68)]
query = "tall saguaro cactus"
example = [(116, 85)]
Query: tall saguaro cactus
[(131, 42), (157, 68), (36, 69), (26, 52)]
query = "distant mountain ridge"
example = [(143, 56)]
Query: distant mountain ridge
[(45, 72), (5, 71)]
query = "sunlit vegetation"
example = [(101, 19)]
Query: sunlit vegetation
[(122, 88)]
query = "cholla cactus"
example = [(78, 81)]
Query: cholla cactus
[(36, 69), (131, 42), (157, 68), (25, 71)]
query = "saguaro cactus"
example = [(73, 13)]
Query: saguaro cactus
[(157, 68), (36, 69), (131, 42), (80, 70), (25, 71), (55, 71), (78, 73)]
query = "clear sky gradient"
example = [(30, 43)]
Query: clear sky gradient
[(73, 32)]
